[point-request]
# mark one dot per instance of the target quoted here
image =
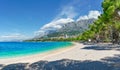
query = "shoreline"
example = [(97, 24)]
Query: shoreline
[(76, 52), (34, 57), (36, 53)]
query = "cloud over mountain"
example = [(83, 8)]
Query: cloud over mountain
[(92, 14), (68, 13), (57, 23), (54, 25)]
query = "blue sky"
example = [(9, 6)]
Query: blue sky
[(24, 18)]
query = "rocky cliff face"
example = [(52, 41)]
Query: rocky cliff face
[(72, 28)]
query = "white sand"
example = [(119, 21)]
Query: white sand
[(76, 53)]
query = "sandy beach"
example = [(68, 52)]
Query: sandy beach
[(75, 52)]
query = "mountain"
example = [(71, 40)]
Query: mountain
[(68, 30), (71, 29)]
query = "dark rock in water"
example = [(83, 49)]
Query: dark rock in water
[(18, 66)]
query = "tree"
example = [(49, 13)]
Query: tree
[(107, 27)]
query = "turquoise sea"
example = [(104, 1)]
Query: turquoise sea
[(18, 49)]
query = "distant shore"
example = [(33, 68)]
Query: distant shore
[(76, 52)]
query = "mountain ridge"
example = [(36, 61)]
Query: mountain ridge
[(70, 29)]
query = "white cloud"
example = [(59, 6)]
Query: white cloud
[(57, 23), (54, 25), (67, 12), (66, 15), (92, 14), (13, 37)]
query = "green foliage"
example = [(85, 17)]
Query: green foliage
[(117, 3), (110, 11), (107, 24)]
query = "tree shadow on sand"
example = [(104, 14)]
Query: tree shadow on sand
[(18, 66), (1, 65), (114, 61), (64, 64), (108, 63), (102, 47)]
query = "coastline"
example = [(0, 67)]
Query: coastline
[(69, 44), (31, 58), (76, 52)]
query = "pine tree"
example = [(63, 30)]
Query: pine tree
[(107, 27)]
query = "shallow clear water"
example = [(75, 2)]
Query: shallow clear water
[(15, 49)]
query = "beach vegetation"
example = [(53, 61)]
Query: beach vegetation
[(107, 27)]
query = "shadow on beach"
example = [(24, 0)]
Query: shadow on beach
[(108, 63), (102, 47), (64, 64)]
